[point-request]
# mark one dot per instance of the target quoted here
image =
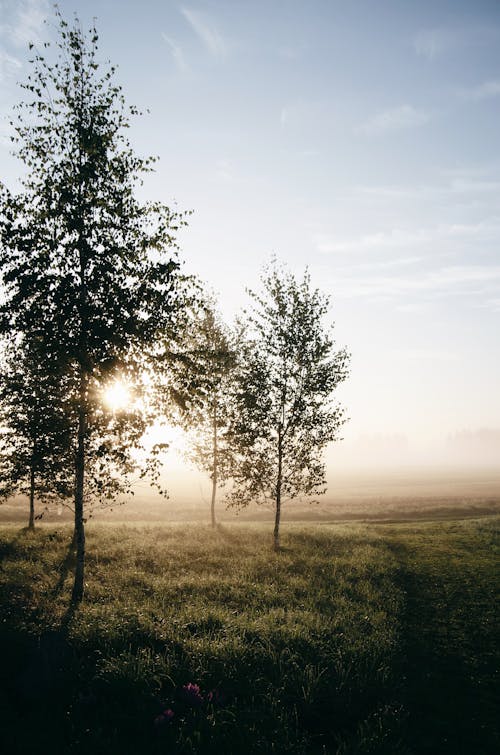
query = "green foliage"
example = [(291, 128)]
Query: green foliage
[(35, 439), (212, 359), (84, 264), (85, 267), (284, 413), (353, 639)]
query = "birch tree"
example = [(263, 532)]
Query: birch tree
[(35, 433), (79, 251), (285, 412), (211, 354)]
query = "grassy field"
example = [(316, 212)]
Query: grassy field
[(356, 638)]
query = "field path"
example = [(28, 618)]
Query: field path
[(449, 575)]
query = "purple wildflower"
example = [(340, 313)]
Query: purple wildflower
[(168, 714), (190, 694), (164, 718)]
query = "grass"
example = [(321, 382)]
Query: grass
[(370, 638)]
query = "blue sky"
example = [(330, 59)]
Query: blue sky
[(359, 138)]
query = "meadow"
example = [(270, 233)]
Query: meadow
[(374, 637)]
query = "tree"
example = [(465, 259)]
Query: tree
[(210, 359), (35, 438), (284, 410), (81, 257)]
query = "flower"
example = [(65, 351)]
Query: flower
[(168, 714), (190, 694), (164, 718)]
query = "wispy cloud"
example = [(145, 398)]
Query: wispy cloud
[(456, 280), (9, 66), (206, 31), (395, 119), (291, 52), (435, 42), (393, 263), (224, 171), (398, 238), (484, 91), (434, 355), (461, 185), (303, 114), (177, 53), (430, 43), (27, 24), (491, 304)]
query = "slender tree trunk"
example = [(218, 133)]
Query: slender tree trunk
[(78, 586), (79, 534), (277, 518), (215, 464), (31, 524)]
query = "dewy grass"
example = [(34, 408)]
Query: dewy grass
[(198, 641)]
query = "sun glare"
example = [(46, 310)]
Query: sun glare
[(117, 396)]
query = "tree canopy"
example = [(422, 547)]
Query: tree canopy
[(285, 413), (85, 266)]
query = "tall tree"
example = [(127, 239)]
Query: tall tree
[(35, 437), (210, 360), (285, 414), (79, 251)]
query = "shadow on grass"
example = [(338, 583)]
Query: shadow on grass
[(447, 687), (9, 548), (39, 663), (66, 565)]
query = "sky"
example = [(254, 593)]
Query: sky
[(359, 138)]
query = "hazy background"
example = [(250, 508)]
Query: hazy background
[(359, 138)]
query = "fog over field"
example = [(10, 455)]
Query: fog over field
[(395, 493)]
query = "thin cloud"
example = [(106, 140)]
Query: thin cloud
[(431, 43), (382, 265), (9, 66), (291, 52), (177, 53), (434, 355), (305, 114), (438, 41), (458, 280), (491, 304), (395, 119), (224, 171), (485, 91), (206, 31), (397, 238), (27, 26), (456, 187)]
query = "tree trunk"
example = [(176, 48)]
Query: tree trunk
[(79, 534), (214, 466), (277, 518), (31, 524), (212, 505), (78, 586)]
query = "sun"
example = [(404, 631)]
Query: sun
[(117, 396)]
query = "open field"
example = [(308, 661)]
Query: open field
[(356, 638), (364, 495)]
